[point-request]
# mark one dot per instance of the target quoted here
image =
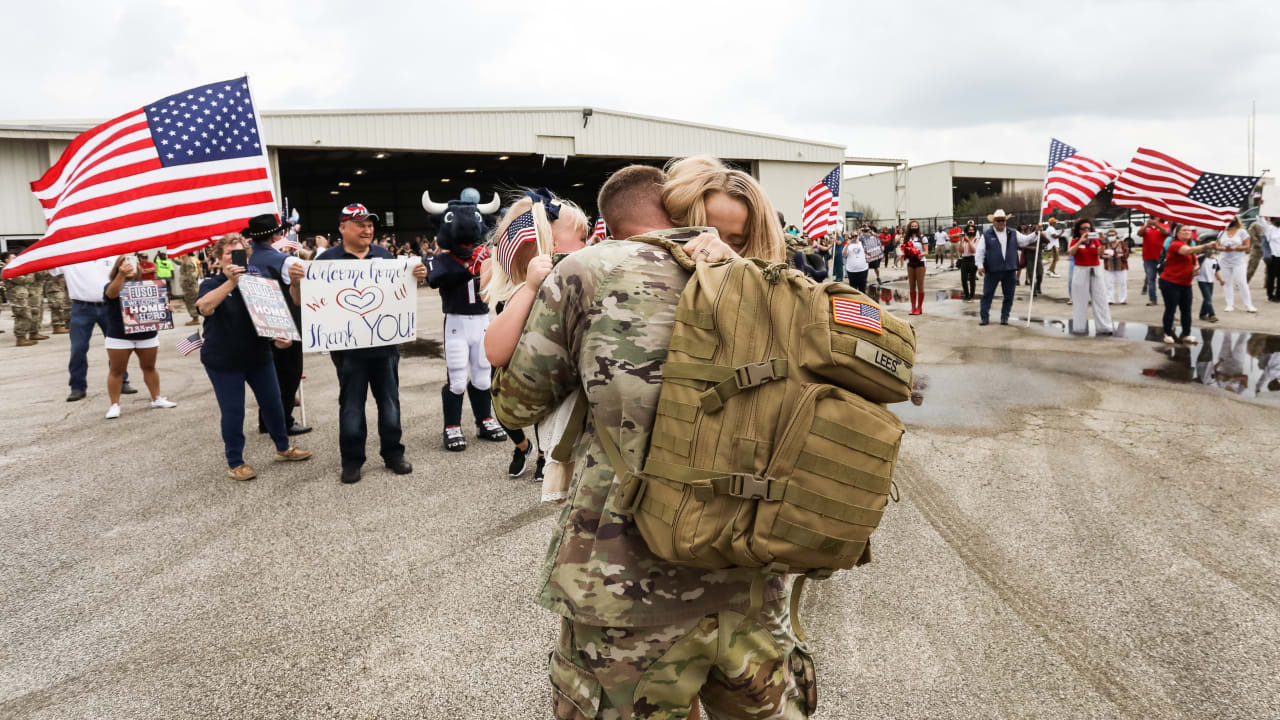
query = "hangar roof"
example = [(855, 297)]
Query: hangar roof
[(551, 131)]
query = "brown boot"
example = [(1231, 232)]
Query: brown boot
[(38, 336), (24, 342), (193, 321), (61, 330)]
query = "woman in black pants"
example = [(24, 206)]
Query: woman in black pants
[(1176, 281), (968, 263)]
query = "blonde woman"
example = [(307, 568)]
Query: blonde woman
[(702, 190), (511, 278)]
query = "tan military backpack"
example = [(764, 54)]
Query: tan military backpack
[(771, 447)]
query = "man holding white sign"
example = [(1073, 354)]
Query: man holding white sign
[(359, 313)]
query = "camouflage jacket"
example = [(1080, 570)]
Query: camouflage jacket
[(602, 321)]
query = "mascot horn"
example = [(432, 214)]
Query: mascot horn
[(455, 272)]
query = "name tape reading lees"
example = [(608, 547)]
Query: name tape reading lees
[(144, 307), (267, 308), (361, 304)]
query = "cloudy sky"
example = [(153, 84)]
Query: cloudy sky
[(922, 80)]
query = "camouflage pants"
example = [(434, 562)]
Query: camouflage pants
[(25, 321), (55, 291), (190, 288), (739, 668)]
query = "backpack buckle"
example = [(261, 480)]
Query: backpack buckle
[(753, 374), (749, 487)]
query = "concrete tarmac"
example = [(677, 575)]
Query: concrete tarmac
[(1075, 539)]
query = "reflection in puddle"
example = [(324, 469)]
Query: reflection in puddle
[(1240, 362)]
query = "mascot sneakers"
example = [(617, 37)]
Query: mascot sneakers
[(455, 272)]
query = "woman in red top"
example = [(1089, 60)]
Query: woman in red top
[(913, 251), (1088, 283), (1175, 281)]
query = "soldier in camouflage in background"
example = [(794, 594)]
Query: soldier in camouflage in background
[(189, 275), (55, 291), (640, 637), (24, 300)]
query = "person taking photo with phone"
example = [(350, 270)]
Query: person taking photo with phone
[(1088, 285), (234, 355)]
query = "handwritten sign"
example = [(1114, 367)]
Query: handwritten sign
[(349, 304), (144, 307), (267, 308)]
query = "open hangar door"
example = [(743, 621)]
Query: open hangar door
[(318, 183)]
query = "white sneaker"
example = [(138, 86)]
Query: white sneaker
[(163, 402), (1051, 274), (1168, 340), (1252, 309), (113, 412), (1228, 309)]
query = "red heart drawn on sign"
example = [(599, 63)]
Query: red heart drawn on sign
[(360, 302)]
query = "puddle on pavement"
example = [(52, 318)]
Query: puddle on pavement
[(982, 394), (422, 347)]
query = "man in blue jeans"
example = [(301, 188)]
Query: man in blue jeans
[(366, 369), (85, 283), (1153, 235), (997, 259)]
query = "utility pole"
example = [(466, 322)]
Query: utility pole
[(1253, 129)]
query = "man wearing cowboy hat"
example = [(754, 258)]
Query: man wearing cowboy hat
[(266, 261), (997, 260), (363, 370)]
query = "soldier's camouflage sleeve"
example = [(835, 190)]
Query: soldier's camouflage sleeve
[(543, 370)]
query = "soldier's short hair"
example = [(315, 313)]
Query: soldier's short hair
[(626, 190)]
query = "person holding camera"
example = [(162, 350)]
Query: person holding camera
[(1115, 260), (120, 346), (1175, 281), (234, 355), (1088, 284)]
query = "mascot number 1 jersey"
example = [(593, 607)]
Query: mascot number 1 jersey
[(458, 282)]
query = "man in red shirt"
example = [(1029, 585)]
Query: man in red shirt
[(1153, 234), (953, 235)]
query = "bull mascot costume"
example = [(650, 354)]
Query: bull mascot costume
[(455, 272)]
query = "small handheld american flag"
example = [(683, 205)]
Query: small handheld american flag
[(285, 244), (188, 345), (856, 313), (598, 233), (520, 231), (822, 205)]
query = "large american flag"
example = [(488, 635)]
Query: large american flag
[(599, 232), (520, 231), (187, 167), (1071, 179), (856, 313), (1165, 187), (822, 205)]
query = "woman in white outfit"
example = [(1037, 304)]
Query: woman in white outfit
[(1088, 287), (1233, 246)]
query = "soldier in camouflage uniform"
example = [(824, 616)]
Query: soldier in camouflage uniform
[(24, 299), (189, 275), (55, 291), (640, 637)]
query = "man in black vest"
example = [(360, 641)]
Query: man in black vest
[(997, 260), (286, 270)]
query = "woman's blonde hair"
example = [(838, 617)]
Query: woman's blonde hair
[(501, 284), (690, 180)]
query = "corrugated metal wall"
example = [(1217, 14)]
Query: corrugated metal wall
[(22, 161), (606, 134)]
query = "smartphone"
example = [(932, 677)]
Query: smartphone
[(238, 258), (1093, 235)]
